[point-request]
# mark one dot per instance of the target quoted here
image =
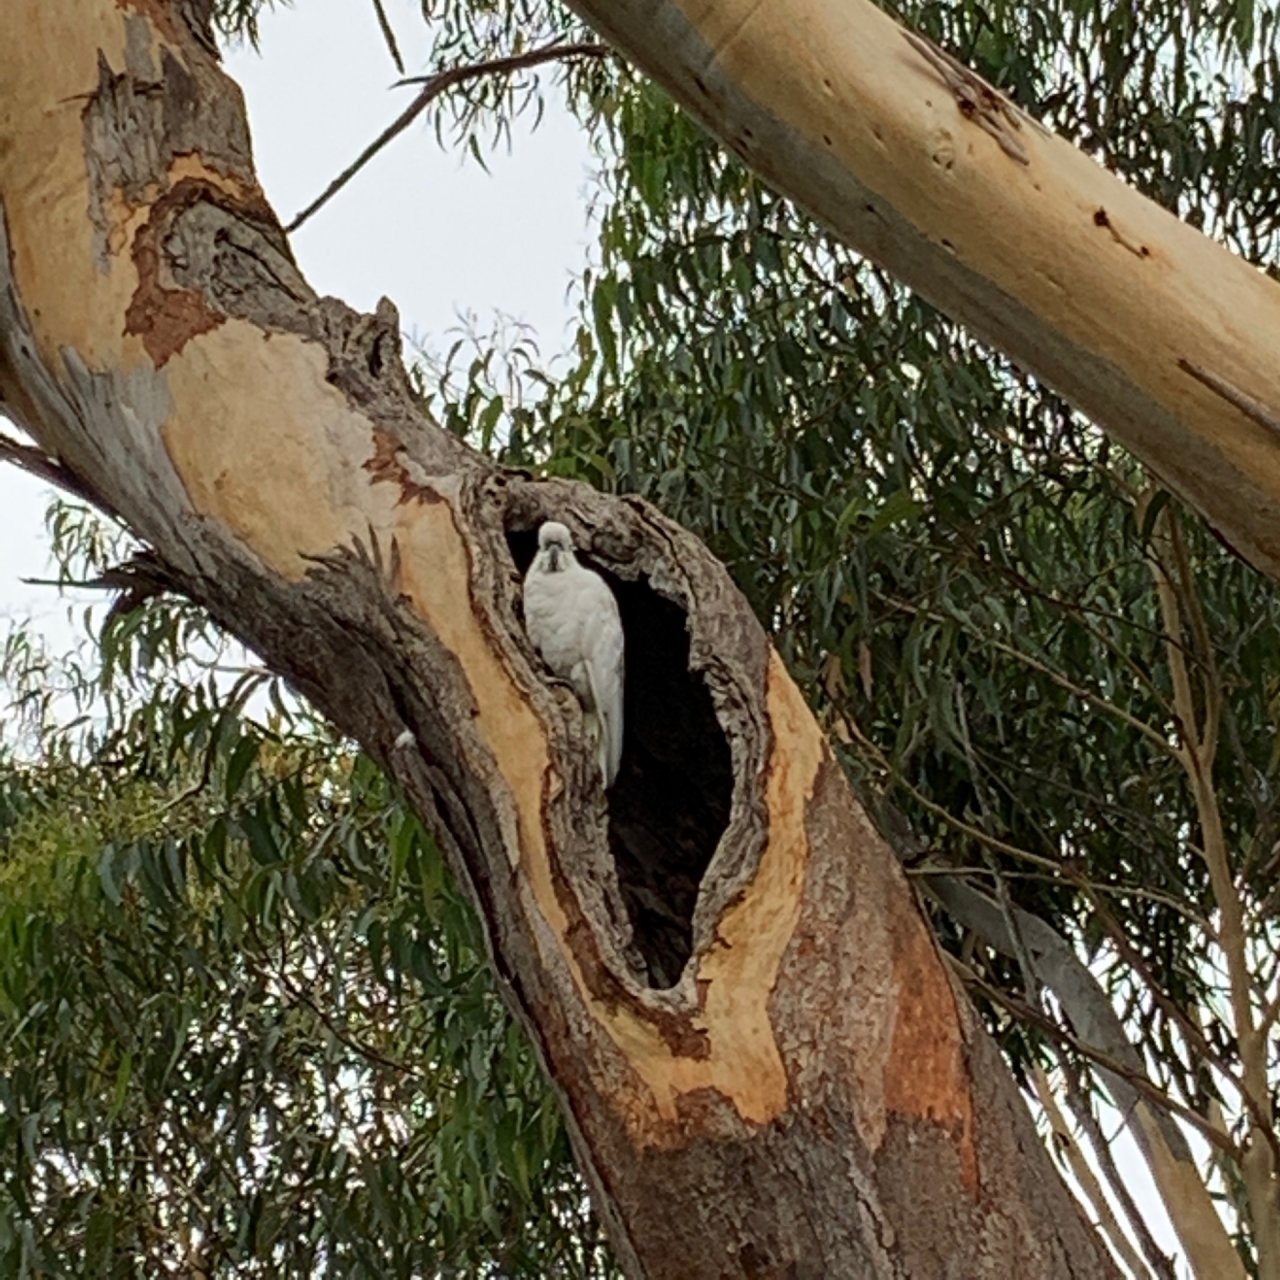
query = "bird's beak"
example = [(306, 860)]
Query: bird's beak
[(553, 554)]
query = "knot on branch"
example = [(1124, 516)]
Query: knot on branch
[(232, 254)]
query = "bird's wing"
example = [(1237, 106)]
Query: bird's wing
[(572, 619), (604, 660), (537, 607), (553, 613)]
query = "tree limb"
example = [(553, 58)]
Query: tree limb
[(1082, 1171), (436, 85), (1081, 1107), (34, 461), (1064, 1036), (388, 35)]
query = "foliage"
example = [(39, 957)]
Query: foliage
[(246, 1020)]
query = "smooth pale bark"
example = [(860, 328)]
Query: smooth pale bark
[(764, 1066), (1164, 338)]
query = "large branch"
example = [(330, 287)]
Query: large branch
[(1164, 338), (764, 1067)]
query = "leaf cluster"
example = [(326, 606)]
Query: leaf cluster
[(246, 1020)]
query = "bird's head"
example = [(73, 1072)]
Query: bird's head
[(555, 546)]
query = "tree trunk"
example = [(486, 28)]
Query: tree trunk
[(1163, 337), (764, 1065)]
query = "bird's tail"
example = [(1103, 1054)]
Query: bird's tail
[(606, 724)]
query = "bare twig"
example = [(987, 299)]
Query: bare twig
[(389, 36), (300, 996), (1192, 1034), (433, 87), (1211, 686), (1034, 1017), (36, 462), (1069, 1148), (339, 1033), (1030, 983), (1082, 1108), (1068, 874)]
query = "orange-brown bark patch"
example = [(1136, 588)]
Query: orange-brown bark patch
[(926, 1076), (386, 468), (166, 318)]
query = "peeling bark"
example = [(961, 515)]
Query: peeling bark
[(765, 1068)]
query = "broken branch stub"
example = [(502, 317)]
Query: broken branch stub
[(763, 1064)]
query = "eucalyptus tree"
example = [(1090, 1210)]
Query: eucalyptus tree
[(1062, 681), (987, 608)]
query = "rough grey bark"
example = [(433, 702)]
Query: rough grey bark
[(764, 1066)]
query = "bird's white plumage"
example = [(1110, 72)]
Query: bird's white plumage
[(572, 619)]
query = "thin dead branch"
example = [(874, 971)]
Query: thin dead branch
[(433, 87), (1066, 1145), (1081, 1107), (388, 35), (37, 463), (1034, 1017)]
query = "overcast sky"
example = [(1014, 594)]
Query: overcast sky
[(433, 232)]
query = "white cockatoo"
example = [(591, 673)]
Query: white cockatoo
[(572, 619)]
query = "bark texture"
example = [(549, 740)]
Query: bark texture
[(1163, 337), (764, 1065)]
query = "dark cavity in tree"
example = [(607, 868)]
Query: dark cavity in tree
[(670, 803)]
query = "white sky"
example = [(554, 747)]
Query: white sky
[(436, 234)]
